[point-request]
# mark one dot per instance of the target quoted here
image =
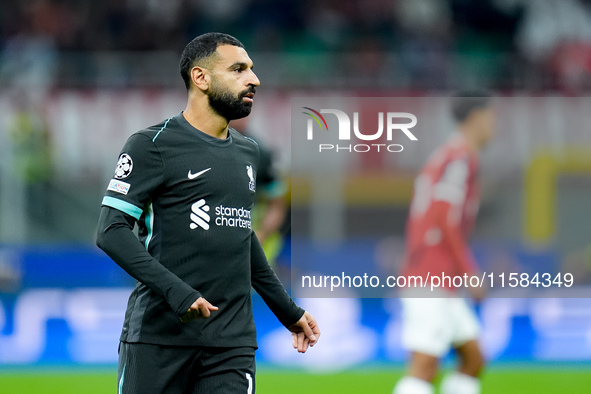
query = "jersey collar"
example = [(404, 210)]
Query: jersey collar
[(200, 134)]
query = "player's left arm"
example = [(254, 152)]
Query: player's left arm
[(305, 330)]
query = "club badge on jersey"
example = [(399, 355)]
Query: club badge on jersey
[(250, 173)]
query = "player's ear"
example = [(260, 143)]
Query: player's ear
[(200, 78)]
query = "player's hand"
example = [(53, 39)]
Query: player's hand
[(304, 333), (200, 309)]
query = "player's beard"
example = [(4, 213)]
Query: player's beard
[(227, 105)]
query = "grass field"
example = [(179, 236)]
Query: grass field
[(518, 380)]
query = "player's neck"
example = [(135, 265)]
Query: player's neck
[(203, 118)]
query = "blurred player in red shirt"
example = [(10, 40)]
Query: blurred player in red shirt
[(444, 207)]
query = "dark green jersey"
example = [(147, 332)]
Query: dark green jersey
[(191, 195)]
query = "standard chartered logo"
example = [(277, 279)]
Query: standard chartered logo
[(232, 217), (224, 216), (199, 215)]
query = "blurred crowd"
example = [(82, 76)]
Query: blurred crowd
[(431, 44)]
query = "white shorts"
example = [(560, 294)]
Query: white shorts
[(434, 325)]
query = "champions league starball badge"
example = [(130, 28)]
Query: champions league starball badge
[(124, 166)]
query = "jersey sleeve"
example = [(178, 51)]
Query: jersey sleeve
[(449, 197), (269, 287), (116, 238), (138, 173)]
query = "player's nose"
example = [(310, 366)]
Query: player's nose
[(253, 79)]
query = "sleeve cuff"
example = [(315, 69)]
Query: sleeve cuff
[(292, 319), (187, 302)]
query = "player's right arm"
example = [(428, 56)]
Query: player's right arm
[(127, 197), (116, 238)]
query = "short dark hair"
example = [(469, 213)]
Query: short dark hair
[(463, 103), (200, 48)]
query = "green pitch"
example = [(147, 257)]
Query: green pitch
[(516, 380)]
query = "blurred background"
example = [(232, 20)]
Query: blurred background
[(77, 77)]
